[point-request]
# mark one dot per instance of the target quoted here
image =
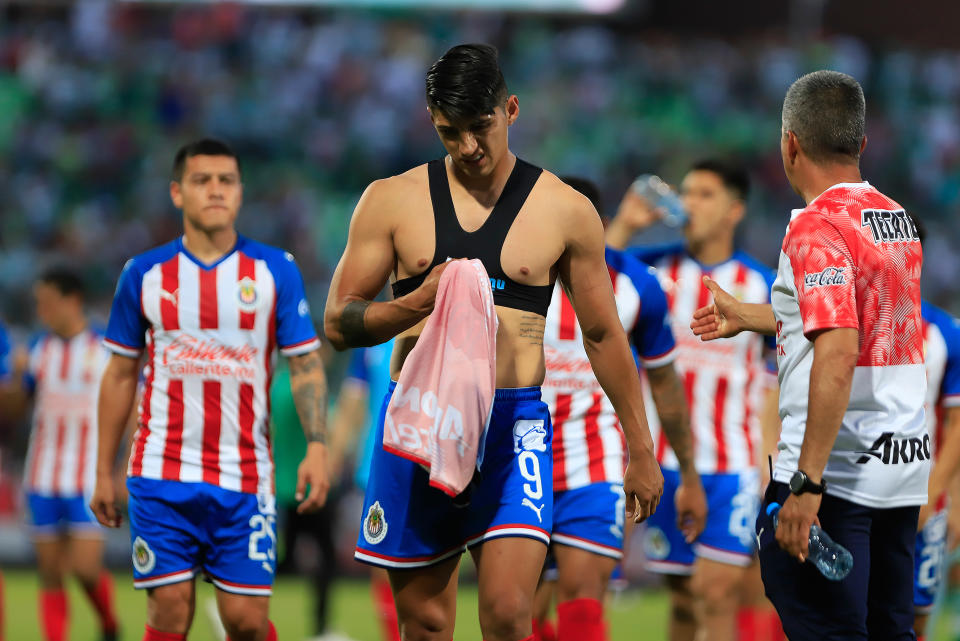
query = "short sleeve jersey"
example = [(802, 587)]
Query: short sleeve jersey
[(64, 376), (210, 333), (851, 259), (725, 381), (588, 444), (941, 350)]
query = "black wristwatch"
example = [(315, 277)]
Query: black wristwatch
[(800, 483)]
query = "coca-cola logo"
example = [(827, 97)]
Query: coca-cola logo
[(827, 277)]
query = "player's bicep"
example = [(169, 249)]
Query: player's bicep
[(584, 276), (369, 256), (824, 273)]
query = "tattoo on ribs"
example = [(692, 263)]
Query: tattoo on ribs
[(352, 325), (531, 328)]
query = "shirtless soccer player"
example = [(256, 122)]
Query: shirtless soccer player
[(528, 228)]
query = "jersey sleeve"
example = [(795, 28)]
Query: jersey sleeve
[(357, 370), (650, 254), (127, 327), (652, 336), (950, 386), (824, 274), (4, 353), (295, 332)]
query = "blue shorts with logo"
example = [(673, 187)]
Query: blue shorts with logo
[(180, 529), (733, 501), (51, 515), (929, 561), (408, 524), (591, 518)]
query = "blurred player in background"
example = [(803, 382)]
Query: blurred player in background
[(588, 447), (528, 228), (62, 375), (211, 308), (355, 420), (725, 385)]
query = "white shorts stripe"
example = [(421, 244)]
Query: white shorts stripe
[(723, 556), (589, 546), (167, 579), (251, 590)]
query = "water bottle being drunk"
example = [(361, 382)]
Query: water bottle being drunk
[(832, 559), (661, 197)]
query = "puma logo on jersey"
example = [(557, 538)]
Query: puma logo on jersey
[(895, 451), (170, 297), (530, 504)]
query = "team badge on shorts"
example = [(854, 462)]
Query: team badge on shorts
[(247, 294), (655, 544), (529, 436), (144, 559), (375, 525)]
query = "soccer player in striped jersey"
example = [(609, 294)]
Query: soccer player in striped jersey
[(589, 453), (210, 308), (726, 383), (62, 376)]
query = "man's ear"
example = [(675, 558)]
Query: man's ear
[(793, 147), (512, 108), (863, 144), (175, 194)]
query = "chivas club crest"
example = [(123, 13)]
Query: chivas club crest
[(247, 294), (144, 559), (375, 524)]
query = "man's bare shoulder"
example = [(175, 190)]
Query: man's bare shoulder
[(400, 186), (569, 206)]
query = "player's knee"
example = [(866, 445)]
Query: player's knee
[(584, 586), (427, 624), (170, 607), (245, 619), (716, 590), (681, 599), (506, 615)]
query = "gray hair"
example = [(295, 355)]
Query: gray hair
[(826, 111)]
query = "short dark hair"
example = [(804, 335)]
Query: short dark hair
[(586, 187), (827, 112), (65, 280), (202, 147), (466, 82), (734, 176)]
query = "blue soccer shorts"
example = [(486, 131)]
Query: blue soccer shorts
[(408, 524), (180, 529), (52, 515), (929, 557), (591, 518), (732, 504)]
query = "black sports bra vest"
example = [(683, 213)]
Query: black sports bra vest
[(486, 242)]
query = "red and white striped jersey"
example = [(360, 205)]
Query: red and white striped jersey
[(851, 259), (588, 442), (725, 381), (210, 332), (64, 375)]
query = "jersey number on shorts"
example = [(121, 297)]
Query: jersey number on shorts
[(741, 517), (530, 470), (262, 529), (927, 573)]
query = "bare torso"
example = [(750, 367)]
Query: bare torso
[(529, 255)]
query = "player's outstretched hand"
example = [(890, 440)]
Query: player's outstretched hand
[(313, 473), (718, 319), (691, 505), (642, 485), (104, 503)]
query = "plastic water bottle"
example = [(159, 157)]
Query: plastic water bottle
[(660, 196), (832, 559)]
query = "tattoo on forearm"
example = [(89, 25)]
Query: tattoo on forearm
[(531, 328), (309, 386), (352, 325), (671, 401)]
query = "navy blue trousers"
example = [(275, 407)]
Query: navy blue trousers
[(875, 601)]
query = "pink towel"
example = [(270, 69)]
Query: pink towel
[(439, 410)]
